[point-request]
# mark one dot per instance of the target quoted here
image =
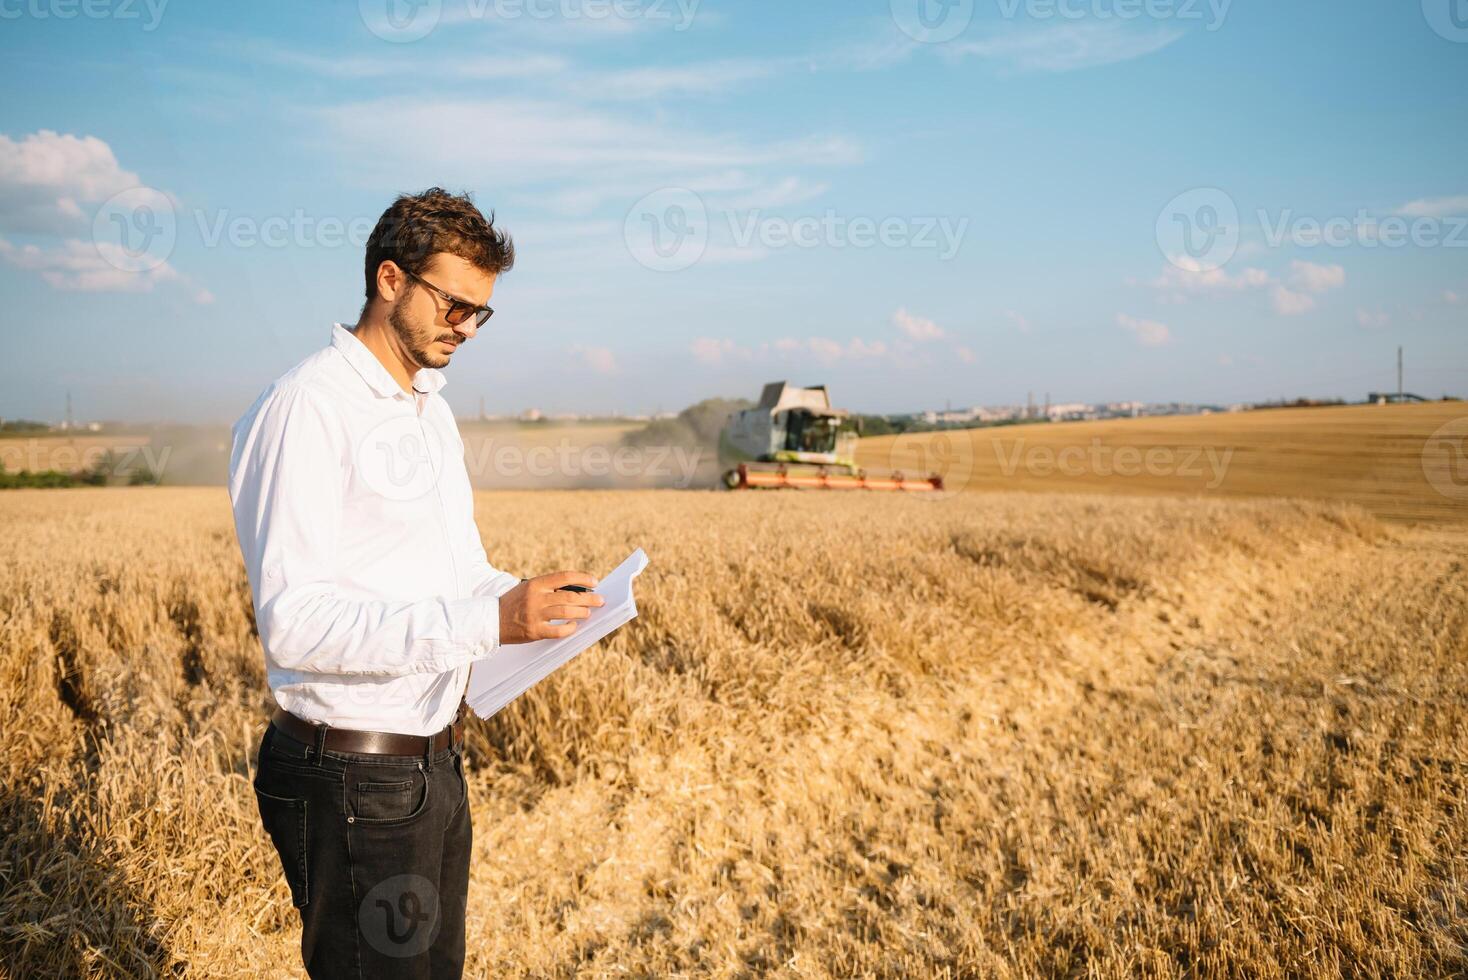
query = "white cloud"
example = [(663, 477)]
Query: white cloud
[(1314, 278), (824, 348), (862, 348), (50, 187), (916, 327), (712, 350), (1292, 297), (783, 193), (1186, 275), (1306, 281), (1148, 333), (1439, 207), (82, 266), (1287, 302), (964, 354), (827, 350), (635, 84), (1018, 320), (1373, 321), (599, 359), (525, 142), (1066, 47), (46, 177), (1451, 298)]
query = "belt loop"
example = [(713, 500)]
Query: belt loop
[(428, 752), (321, 744)]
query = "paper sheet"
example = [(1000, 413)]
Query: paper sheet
[(516, 667)]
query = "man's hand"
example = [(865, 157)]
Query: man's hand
[(526, 610)]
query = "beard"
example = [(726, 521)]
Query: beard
[(416, 339)]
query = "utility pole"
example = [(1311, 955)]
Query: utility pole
[(1400, 389), (67, 426)]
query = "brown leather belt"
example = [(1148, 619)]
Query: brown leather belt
[(369, 743)]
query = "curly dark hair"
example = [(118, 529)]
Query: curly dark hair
[(418, 225)]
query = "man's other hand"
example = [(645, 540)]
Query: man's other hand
[(526, 610)]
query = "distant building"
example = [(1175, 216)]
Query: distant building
[(1070, 412)]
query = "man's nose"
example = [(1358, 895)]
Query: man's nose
[(467, 329)]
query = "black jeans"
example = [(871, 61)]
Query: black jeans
[(376, 852)]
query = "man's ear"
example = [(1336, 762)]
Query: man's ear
[(391, 280)]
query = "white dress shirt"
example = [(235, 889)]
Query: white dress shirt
[(355, 517)]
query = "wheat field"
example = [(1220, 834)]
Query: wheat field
[(850, 735), (1383, 457)]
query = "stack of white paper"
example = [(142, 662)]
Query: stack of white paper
[(516, 667)]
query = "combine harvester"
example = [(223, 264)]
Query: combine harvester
[(795, 439)]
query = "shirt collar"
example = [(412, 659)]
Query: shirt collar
[(425, 380)]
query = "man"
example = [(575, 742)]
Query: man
[(373, 597)]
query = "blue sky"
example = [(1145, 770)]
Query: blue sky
[(960, 202)]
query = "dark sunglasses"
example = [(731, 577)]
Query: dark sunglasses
[(459, 310)]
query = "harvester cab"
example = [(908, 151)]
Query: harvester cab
[(794, 438)]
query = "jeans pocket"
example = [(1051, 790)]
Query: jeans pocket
[(384, 798), (285, 821)]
